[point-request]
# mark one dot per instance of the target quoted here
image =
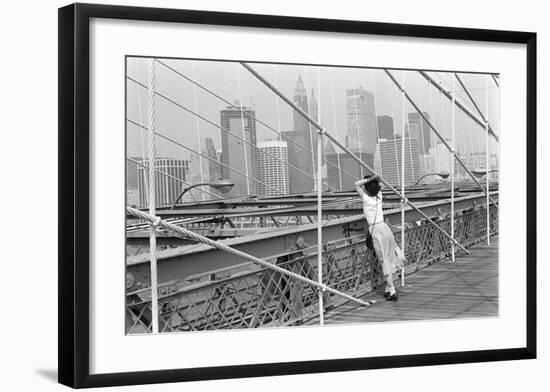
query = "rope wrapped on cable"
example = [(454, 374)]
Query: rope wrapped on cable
[(156, 221)]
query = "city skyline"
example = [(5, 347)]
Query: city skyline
[(235, 133), (328, 84)]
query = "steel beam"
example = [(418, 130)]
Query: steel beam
[(180, 262)]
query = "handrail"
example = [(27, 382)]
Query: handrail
[(156, 221)]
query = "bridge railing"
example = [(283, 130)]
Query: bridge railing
[(252, 296)]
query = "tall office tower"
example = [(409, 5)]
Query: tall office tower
[(343, 169), (273, 166), (203, 168), (313, 109), (387, 160), (301, 144), (239, 159), (361, 120), (419, 129), (169, 179), (385, 127), (301, 125)]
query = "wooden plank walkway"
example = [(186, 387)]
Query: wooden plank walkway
[(466, 288)]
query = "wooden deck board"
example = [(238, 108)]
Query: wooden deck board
[(464, 289)]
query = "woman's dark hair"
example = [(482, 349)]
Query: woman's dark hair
[(373, 187)]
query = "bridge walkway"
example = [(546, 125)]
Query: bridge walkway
[(466, 288)]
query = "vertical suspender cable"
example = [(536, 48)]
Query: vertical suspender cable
[(452, 170), (152, 197), (246, 158), (403, 173), (357, 128), (372, 71), (141, 131), (279, 137), (320, 212), (310, 130), (349, 152), (487, 155), (335, 126), (197, 126)]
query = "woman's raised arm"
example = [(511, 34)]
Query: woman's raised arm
[(359, 184)]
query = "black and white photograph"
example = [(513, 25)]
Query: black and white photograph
[(271, 195)]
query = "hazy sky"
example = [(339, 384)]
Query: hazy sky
[(232, 82)]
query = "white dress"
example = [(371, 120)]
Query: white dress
[(385, 247)]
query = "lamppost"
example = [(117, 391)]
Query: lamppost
[(223, 186), (480, 172), (441, 175)]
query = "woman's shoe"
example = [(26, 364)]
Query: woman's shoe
[(386, 294), (392, 297)]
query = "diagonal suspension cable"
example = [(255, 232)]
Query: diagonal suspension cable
[(197, 115), (472, 99), (157, 221), (171, 176), (458, 103), (251, 116), (345, 149), (196, 152), (415, 106)]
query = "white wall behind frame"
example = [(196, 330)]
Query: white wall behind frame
[(29, 63), (113, 352)]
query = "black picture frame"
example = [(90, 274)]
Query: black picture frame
[(74, 188)]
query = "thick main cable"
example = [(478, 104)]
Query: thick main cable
[(218, 245)]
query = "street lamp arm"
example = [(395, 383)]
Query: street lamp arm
[(442, 175), (185, 190)]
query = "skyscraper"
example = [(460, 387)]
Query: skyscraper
[(361, 120), (387, 160), (203, 169), (419, 129), (301, 175), (236, 154), (273, 167), (343, 167), (301, 125), (168, 186), (385, 127), (313, 109)]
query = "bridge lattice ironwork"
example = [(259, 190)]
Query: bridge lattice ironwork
[(261, 297)]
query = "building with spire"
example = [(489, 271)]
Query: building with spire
[(302, 142)]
